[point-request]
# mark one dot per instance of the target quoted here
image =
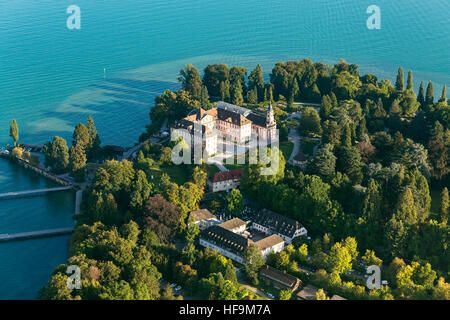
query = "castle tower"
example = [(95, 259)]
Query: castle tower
[(270, 120)]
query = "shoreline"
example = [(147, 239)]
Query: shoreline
[(42, 172)]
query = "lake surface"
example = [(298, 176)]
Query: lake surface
[(51, 78)]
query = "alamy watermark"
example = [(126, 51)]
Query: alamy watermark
[(374, 280), (74, 279), (74, 20), (374, 20)]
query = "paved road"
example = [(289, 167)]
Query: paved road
[(229, 151), (295, 139), (307, 104)]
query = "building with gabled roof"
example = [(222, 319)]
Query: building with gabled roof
[(231, 244), (235, 225), (273, 243), (204, 218), (279, 279), (226, 242), (226, 180), (270, 223), (307, 293)]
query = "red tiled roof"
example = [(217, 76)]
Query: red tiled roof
[(227, 175)]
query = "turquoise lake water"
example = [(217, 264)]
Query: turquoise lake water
[(51, 78)]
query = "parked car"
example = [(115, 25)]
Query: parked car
[(177, 288), (173, 285)]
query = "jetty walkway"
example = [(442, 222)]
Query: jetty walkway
[(20, 194), (35, 234)]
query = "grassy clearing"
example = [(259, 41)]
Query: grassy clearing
[(286, 148), (178, 174), (307, 146)]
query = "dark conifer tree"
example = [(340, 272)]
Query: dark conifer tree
[(421, 95), (400, 83), (429, 98), (410, 83)]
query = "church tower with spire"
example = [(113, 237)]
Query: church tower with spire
[(270, 120)]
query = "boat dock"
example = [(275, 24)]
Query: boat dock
[(29, 193), (35, 234)]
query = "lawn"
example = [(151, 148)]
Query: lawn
[(177, 173), (307, 146), (286, 148), (210, 169)]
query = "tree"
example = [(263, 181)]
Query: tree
[(444, 94), (445, 204), (225, 90), (346, 138), (345, 85), (253, 262), (59, 155), (406, 211), (214, 75), (190, 80), (429, 98), (421, 94), (192, 229), (93, 151), (140, 191), (14, 131), (256, 81), (400, 82), (253, 96), (81, 136), (294, 91), (230, 272), (369, 258), (352, 247), (396, 237), (285, 294), (200, 178), (310, 122), (409, 103), (349, 162), (17, 152), (331, 132), (326, 106), (237, 74), (324, 163), (339, 259), (320, 295), (410, 83), (162, 217), (78, 161), (204, 98), (234, 202), (236, 93)]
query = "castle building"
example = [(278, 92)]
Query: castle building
[(234, 123)]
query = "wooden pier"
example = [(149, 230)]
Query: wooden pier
[(35, 234), (29, 193)]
